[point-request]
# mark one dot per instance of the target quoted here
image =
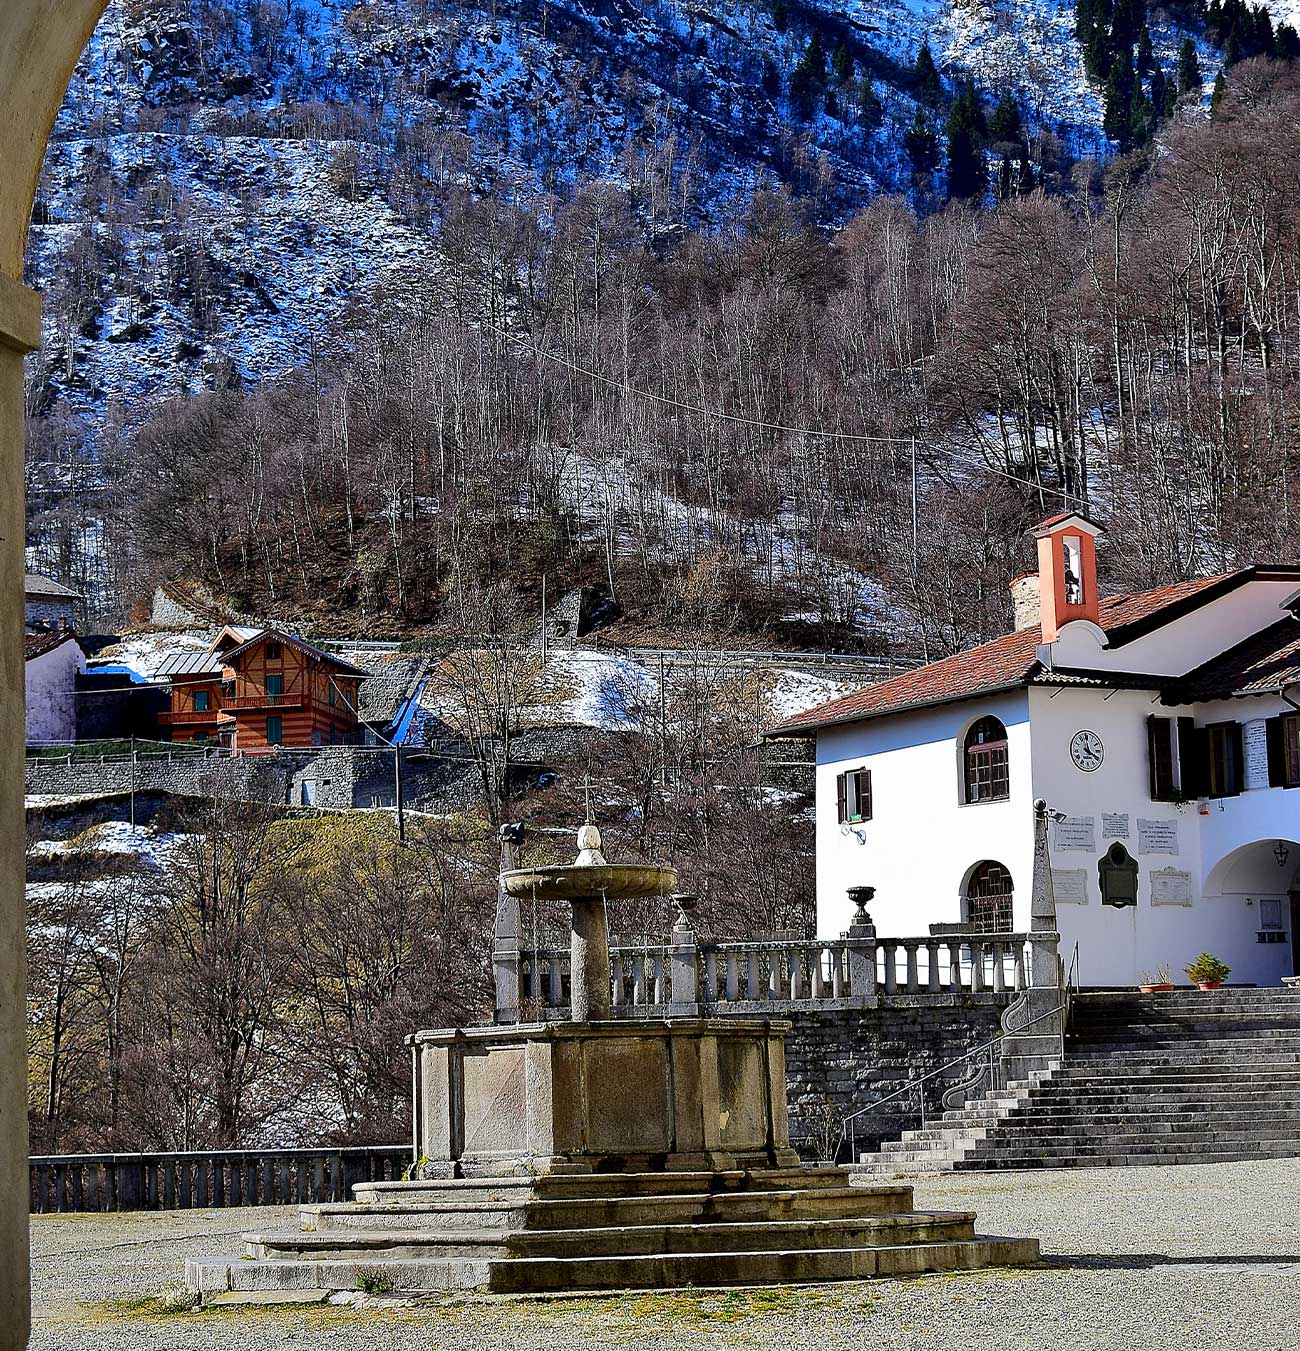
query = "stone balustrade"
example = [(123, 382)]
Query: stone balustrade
[(201, 1178), (769, 975)]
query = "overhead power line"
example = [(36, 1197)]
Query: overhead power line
[(762, 425)]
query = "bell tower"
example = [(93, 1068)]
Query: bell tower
[(1067, 572)]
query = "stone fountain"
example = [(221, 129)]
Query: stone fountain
[(600, 1153)]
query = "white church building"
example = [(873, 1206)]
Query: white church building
[(1161, 728)]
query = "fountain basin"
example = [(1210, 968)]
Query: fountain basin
[(677, 1094), (567, 882)]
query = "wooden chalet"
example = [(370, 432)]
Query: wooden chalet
[(256, 689)]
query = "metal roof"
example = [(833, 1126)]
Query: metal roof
[(36, 585), (189, 663)]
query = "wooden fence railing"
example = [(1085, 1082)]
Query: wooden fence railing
[(207, 1178)]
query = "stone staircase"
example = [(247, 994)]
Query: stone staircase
[(1186, 1076), (563, 1232)]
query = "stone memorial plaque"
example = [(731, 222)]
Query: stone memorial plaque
[(1254, 740), (1115, 826), (1157, 837), (1171, 887), (1075, 832), (1070, 886)]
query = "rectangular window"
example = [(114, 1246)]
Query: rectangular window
[(1176, 752), (854, 795), (333, 693), (273, 652), (274, 730), (202, 701), (274, 687), (1225, 759), (988, 772), (1270, 913), (1283, 739)]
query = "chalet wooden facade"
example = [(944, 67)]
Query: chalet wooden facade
[(254, 690)]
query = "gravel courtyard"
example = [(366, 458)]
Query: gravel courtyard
[(1195, 1257)]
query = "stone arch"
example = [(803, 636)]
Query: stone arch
[(987, 896), (40, 44)]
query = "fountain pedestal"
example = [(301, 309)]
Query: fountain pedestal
[(647, 1096)]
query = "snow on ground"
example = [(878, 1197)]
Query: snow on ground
[(143, 653), (795, 692), (152, 847), (607, 688)]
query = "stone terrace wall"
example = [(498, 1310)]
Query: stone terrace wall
[(839, 1060), (260, 780)]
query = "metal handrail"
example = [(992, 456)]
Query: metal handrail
[(1068, 989)]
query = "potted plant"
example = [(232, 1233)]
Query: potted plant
[(1207, 972), (1150, 982)]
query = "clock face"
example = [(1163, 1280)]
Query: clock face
[(1087, 751)]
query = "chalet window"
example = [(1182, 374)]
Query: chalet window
[(988, 898), (333, 692), (1225, 759), (202, 701), (853, 789), (274, 730), (1283, 737), (274, 686), (1176, 757), (987, 769), (273, 652)]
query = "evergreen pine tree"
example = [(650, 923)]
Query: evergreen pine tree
[(809, 78), (780, 15), (1005, 124), (870, 111), (967, 175), (1170, 100), (1220, 89), (1288, 42), (1004, 179), (1159, 93), (1097, 56), (771, 79), (843, 64), (929, 87), (921, 144), (1146, 57), (1141, 120), (1232, 48), (1117, 121), (1189, 68)]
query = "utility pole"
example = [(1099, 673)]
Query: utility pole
[(397, 795), (663, 726), (543, 622), (916, 546), (133, 781)]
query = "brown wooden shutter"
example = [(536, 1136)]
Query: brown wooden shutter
[(865, 804), (1159, 757), (1274, 736), (1236, 760), (1193, 758), (842, 796)]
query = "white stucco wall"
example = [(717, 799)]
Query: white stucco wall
[(922, 841), (51, 697)]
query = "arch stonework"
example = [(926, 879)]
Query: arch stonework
[(40, 42)]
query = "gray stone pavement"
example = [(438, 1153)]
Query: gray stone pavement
[(1202, 1256)]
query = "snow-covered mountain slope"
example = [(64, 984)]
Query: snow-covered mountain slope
[(227, 175)]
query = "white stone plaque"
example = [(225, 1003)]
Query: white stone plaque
[(1070, 886), (1171, 887), (1157, 837), (1114, 826), (1254, 739), (1075, 832)]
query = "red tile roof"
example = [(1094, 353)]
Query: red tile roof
[(1005, 663), (38, 644)]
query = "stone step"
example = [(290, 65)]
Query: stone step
[(560, 1185), (794, 1203), (653, 1271), (620, 1241), (1054, 1124)]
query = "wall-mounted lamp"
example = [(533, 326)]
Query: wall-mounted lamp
[(1281, 853)]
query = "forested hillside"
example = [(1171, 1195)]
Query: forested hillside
[(364, 313)]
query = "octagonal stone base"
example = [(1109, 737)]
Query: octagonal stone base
[(605, 1097)]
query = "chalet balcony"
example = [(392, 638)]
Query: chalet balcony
[(261, 699), (190, 717)]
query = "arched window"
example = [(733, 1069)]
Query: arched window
[(988, 898), (988, 777)]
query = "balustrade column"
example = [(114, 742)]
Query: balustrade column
[(1020, 966), (890, 949), (751, 975), (976, 966), (711, 977), (932, 966), (913, 980), (817, 974), (999, 975), (555, 995), (954, 967), (733, 977), (620, 976)]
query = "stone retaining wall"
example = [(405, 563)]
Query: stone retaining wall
[(261, 779), (839, 1060)]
